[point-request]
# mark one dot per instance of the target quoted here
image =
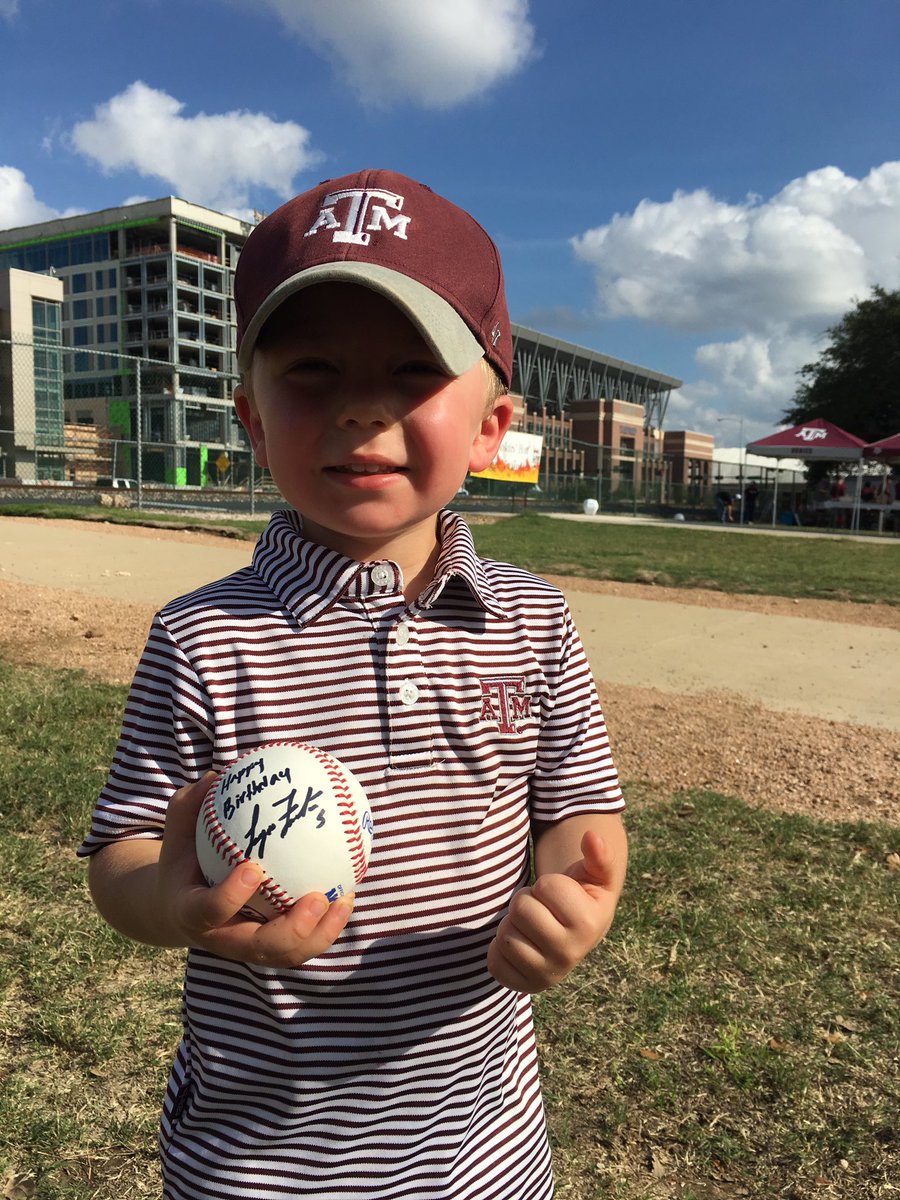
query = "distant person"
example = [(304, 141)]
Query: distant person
[(724, 506), (751, 499), (838, 492), (380, 1046), (868, 497)]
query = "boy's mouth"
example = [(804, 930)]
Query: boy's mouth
[(366, 469)]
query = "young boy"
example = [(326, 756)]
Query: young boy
[(381, 1049)]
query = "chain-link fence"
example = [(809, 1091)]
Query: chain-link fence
[(141, 431), (79, 422)]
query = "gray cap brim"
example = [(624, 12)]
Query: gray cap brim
[(443, 329)]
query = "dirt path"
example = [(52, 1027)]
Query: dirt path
[(793, 706)]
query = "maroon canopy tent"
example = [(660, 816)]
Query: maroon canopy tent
[(886, 450), (813, 439)]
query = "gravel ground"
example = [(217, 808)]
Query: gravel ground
[(667, 740)]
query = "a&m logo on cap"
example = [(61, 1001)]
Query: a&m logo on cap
[(364, 211)]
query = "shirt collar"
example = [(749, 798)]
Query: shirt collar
[(459, 560), (309, 579)]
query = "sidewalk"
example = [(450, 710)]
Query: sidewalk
[(826, 669)]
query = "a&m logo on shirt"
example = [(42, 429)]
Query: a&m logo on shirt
[(505, 701)]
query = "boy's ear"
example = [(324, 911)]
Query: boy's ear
[(248, 415), (487, 440)]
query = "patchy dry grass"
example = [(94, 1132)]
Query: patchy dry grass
[(736, 1035)]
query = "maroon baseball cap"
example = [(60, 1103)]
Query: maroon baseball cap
[(388, 233)]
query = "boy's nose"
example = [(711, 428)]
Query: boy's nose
[(366, 409)]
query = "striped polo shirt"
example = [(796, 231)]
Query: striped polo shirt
[(393, 1066)]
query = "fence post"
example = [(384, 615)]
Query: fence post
[(138, 434)]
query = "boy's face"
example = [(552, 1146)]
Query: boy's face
[(363, 433)]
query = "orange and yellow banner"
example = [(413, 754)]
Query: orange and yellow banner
[(518, 459)]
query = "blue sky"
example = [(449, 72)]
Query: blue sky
[(698, 186)]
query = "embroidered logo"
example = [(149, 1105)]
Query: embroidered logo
[(354, 214), (504, 700)]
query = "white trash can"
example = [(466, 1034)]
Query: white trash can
[(591, 507)]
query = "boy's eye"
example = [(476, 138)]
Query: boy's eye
[(310, 364), (420, 367)]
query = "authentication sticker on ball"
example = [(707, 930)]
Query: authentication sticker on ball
[(295, 810)]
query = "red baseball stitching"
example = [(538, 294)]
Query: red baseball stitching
[(228, 849), (346, 809)]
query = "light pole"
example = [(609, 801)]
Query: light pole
[(741, 462)]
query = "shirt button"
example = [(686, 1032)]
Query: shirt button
[(381, 575), (402, 633), (409, 693)]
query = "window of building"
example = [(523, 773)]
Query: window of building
[(81, 310), (202, 424), (46, 320), (48, 383), (80, 282), (81, 250), (14, 259), (88, 389), (107, 333)]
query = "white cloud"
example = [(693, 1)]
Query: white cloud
[(434, 54), (212, 159), (9, 8), (18, 203), (757, 367), (772, 274)]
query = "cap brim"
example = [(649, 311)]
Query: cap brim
[(443, 329)]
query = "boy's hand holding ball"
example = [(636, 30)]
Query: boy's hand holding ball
[(282, 838)]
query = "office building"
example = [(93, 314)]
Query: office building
[(32, 436)]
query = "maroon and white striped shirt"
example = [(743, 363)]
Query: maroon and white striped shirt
[(393, 1067)]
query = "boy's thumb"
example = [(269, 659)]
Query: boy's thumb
[(596, 861)]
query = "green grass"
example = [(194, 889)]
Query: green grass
[(770, 564), (735, 1035), (831, 568)]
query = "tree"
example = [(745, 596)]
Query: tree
[(856, 381)]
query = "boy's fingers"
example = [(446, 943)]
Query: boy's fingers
[(312, 917), (306, 931), (213, 906)]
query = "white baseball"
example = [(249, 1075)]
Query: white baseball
[(295, 810)]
